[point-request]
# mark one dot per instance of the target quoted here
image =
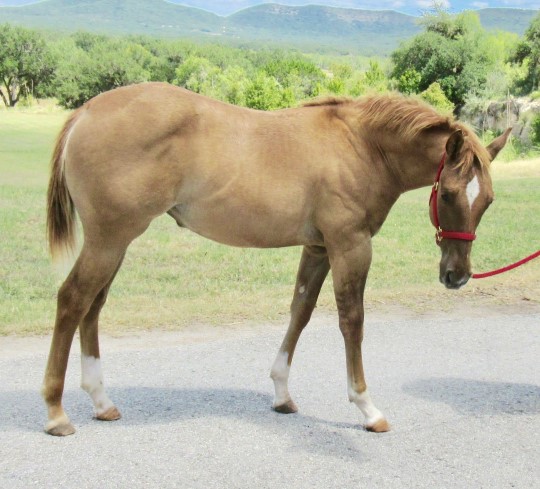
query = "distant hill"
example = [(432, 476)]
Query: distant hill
[(344, 30), (309, 28), (154, 17), (511, 20)]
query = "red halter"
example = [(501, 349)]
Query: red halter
[(439, 233)]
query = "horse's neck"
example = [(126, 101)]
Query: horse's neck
[(415, 162)]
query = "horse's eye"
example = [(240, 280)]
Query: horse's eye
[(445, 196)]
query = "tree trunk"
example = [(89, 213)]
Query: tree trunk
[(3, 94), (6, 103), (13, 93)]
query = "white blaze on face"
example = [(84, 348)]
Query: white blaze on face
[(92, 382), (280, 376), (473, 190)]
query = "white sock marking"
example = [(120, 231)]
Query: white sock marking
[(473, 190), (365, 404), (92, 382), (280, 376)]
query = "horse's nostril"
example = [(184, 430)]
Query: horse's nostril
[(449, 277)]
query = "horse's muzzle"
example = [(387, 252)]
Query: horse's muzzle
[(452, 280)]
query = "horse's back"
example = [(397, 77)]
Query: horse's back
[(235, 175)]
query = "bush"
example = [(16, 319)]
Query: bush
[(535, 130), (435, 96)]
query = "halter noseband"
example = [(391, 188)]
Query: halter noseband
[(439, 233)]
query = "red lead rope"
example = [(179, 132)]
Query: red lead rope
[(507, 267), (440, 234)]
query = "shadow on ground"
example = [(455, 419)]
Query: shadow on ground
[(142, 406), (477, 397)]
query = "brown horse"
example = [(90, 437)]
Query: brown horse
[(323, 176)]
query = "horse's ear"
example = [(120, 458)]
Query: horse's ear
[(454, 145), (498, 143)]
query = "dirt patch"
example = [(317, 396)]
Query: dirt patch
[(515, 292)]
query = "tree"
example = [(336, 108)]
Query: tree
[(434, 96), (265, 93), (528, 53), (25, 63), (197, 74), (409, 81), (295, 73), (454, 51), (108, 64), (375, 79)]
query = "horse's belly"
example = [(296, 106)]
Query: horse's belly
[(246, 227)]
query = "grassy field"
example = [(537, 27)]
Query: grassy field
[(172, 278)]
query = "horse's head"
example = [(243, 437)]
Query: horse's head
[(463, 193)]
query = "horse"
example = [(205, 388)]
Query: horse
[(323, 176)]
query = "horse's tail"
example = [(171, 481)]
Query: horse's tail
[(61, 225)]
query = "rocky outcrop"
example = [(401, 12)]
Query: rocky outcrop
[(517, 112)]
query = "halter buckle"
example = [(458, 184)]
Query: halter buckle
[(439, 235)]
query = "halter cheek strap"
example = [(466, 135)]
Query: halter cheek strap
[(440, 234)]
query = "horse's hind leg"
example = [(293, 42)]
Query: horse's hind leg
[(93, 269), (92, 376), (312, 271)]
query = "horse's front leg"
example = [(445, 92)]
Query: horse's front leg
[(350, 262), (312, 271)]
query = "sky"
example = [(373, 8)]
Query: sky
[(412, 7)]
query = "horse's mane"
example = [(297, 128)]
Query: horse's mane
[(322, 101), (408, 117)]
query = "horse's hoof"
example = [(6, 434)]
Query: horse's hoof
[(111, 414), (63, 428), (380, 426), (288, 408)]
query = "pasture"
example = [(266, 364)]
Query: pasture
[(172, 278)]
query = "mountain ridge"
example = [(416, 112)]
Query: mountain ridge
[(309, 28), (225, 8)]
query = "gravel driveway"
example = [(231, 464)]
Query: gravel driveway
[(462, 395)]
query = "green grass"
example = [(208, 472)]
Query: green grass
[(172, 278)]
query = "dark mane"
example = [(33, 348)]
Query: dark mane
[(327, 101), (408, 117)]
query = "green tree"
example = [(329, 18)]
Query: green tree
[(233, 82), (527, 53), (197, 74), (336, 85), (409, 81), (88, 40), (453, 50), (107, 64), (265, 93), (25, 63), (435, 96), (301, 77), (168, 55), (375, 78), (535, 130)]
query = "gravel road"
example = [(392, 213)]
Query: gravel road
[(462, 395)]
